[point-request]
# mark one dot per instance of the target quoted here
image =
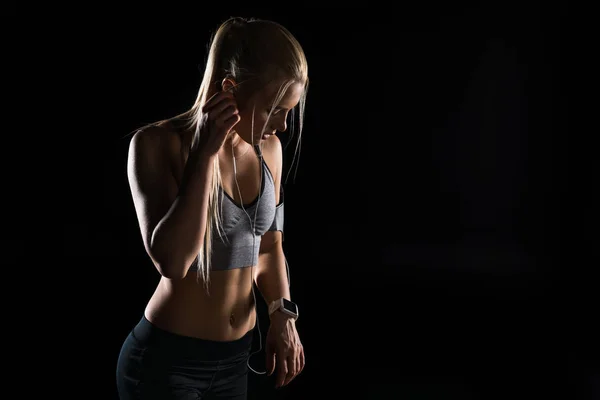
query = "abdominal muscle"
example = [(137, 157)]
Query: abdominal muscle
[(183, 306)]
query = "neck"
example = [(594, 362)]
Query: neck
[(235, 146)]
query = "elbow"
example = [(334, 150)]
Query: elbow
[(169, 268), (166, 264), (170, 271), (171, 261)]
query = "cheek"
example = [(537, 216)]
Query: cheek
[(245, 124), (259, 122)]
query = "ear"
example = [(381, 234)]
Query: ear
[(228, 83)]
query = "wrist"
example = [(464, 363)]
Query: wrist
[(279, 315)]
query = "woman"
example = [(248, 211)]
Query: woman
[(206, 186)]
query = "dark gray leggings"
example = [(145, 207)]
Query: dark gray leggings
[(157, 364)]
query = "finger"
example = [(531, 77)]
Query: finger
[(216, 99), (230, 114), (302, 359), (270, 361), (298, 363), (292, 362), (224, 107), (282, 370), (230, 123)]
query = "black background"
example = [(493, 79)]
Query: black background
[(437, 221)]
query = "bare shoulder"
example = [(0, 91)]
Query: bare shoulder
[(153, 140), (154, 144), (273, 155), (273, 152)]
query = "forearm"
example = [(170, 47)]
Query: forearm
[(272, 279)]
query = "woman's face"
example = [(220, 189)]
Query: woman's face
[(260, 103)]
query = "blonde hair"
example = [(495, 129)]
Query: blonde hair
[(253, 52)]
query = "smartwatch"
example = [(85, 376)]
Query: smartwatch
[(284, 305)]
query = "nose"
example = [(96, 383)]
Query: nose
[(281, 125)]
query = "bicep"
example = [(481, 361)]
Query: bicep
[(151, 181)]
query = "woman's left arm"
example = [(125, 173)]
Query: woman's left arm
[(283, 346), (271, 275)]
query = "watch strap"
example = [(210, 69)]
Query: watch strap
[(275, 305)]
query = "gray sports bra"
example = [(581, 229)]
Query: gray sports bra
[(238, 247)]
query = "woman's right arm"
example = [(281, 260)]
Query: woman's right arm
[(172, 218)]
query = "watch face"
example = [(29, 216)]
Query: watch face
[(288, 305)]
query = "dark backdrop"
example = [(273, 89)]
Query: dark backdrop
[(436, 227)]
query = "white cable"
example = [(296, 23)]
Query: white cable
[(252, 227)]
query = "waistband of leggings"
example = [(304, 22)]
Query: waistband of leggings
[(151, 335)]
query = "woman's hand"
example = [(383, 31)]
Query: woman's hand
[(283, 348), (219, 115)]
